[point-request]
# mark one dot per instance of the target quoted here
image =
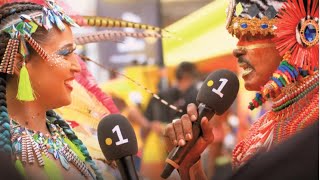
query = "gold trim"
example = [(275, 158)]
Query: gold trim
[(303, 28), (174, 164), (253, 26), (255, 46)]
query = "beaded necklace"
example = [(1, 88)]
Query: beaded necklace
[(293, 110), (27, 142)]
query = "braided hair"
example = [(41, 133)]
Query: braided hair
[(57, 120), (7, 11), (14, 10)]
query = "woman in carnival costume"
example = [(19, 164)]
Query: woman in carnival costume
[(279, 52), (41, 143), (37, 67)]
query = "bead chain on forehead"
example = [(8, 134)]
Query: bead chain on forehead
[(26, 143)]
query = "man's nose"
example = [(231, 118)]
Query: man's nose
[(239, 52)]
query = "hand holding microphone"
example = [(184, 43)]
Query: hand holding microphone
[(179, 132), (192, 132)]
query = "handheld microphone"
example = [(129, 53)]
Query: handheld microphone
[(118, 142), (215, 96)]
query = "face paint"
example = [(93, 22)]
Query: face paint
[(59, 58), (52, 78), (258, 58), (67, 50)]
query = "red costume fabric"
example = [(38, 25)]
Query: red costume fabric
[(275, 127)]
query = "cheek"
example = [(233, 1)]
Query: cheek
[(50, 75), (57, 62), (256, 57), (264, 60)]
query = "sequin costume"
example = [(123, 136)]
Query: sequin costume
[(293, 87), (26, 143)]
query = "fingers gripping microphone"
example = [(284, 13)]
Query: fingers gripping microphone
[(118, 142), (215, 96)]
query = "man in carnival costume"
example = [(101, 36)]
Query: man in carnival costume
[(37, 67), (278, 50)]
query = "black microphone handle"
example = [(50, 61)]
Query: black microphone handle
[(177, 154), (127, 168)]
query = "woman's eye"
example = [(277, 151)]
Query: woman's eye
[(65, 52)]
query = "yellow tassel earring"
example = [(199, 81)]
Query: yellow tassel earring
[(25, 91)]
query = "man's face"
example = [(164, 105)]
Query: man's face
[(259, 58)]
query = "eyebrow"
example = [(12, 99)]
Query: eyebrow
[(255, 46), (70, 45)]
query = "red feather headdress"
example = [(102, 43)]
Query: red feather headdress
[(297, 33)]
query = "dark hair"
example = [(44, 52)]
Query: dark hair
[(8, 11), (14, 10), (186, 69)]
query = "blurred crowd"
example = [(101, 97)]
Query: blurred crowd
[(149, 123)]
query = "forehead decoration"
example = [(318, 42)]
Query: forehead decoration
[(54, 14), (256, 16), (21, 30)]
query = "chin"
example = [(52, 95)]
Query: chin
[(64, 102), (60, 104), (252, 85), (67, 101), (254, 82)]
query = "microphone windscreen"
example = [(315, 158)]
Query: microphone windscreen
[(219, 90), (116, 137)]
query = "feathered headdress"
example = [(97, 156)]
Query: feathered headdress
[(297, 33), (297, 39)]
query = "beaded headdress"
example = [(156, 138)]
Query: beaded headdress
[(20, 32), (252, 16)]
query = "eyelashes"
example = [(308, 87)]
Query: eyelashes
[(65, 52)]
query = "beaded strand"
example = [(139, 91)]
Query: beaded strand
[(294, 109), (26, 143), (285, 74)]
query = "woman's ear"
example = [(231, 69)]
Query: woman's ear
[(17, 64)]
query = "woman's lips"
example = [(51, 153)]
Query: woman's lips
[(68, 84)]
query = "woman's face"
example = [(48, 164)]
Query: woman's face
[(52, 79)]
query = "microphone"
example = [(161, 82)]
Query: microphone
[(215, 96), (118, 142)]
